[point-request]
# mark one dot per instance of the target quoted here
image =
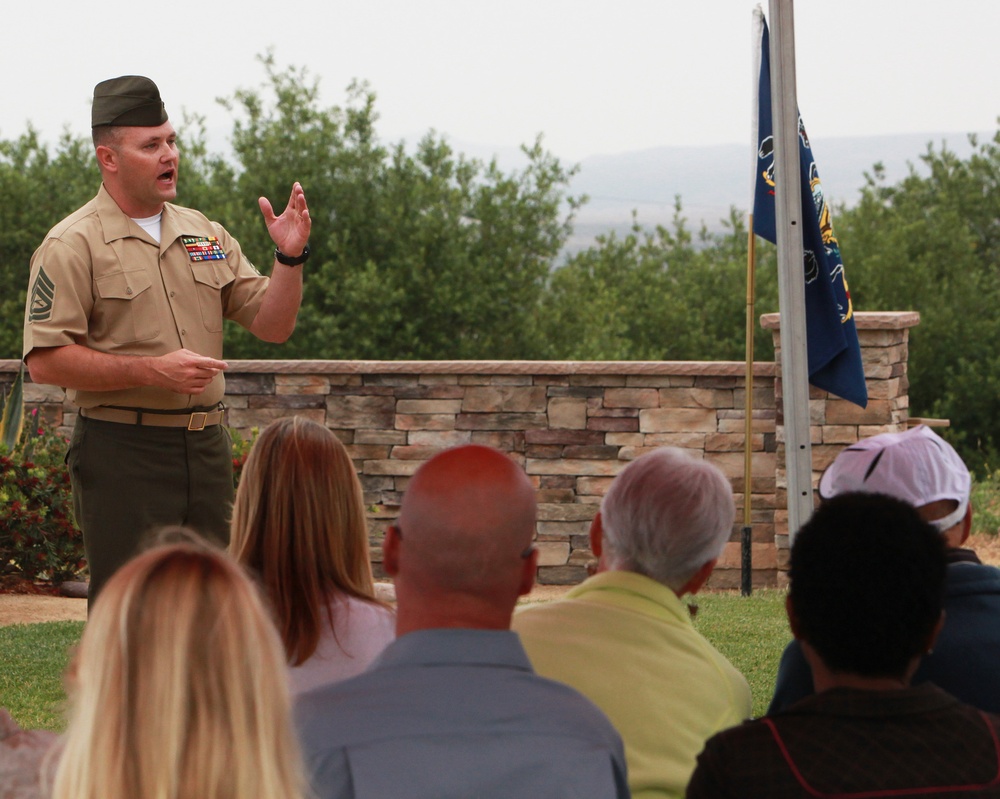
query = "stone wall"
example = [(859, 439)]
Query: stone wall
[(834, 423), (572, 426)]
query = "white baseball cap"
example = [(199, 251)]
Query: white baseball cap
[(916, 466)]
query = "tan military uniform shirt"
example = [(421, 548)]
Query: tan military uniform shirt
[(100, 280)]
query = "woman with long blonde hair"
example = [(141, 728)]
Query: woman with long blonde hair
[(299, 524), (177, 689)]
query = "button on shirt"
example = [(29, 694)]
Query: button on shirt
[(457, 713)]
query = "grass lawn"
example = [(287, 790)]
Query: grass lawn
[(750, 631), (31, 678)]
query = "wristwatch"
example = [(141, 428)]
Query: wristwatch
[(288, 260)]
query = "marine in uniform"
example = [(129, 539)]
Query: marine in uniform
[(125, 310)]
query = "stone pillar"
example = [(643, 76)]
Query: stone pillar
[(834, 423)]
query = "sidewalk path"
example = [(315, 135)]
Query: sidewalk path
[(35, 608)]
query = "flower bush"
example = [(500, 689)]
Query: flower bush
[(38, 537), (241, 449), (39, 540)]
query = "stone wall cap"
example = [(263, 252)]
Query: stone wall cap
[(761, 369), (687, 368), (863, 320), (316, 367)]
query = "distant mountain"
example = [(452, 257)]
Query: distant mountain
[(711, 179)]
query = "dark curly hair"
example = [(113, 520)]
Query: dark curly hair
[(867, 584)]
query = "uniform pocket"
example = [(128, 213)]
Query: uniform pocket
[(125, 310), (210, 279)]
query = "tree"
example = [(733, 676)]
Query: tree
[(657, 295), (37, 189), (931, 243), (416, 255)]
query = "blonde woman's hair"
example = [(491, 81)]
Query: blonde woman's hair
[(299, 523), (178, 688)]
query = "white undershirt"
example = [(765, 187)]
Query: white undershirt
[(151, 224)]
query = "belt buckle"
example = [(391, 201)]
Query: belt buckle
[(201, 416)]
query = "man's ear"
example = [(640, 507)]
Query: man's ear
[(698, 579), (390, 551), (528, 571), (966, 524), (597, 535), (935, 633), (107, 158), (793, 620)]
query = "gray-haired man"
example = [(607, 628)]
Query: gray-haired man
[(625, 639)]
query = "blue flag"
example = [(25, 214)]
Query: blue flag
[(831, 337)]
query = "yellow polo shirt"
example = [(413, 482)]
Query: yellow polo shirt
[(627, 643)]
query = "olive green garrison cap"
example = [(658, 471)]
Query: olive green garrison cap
[(130, 100)]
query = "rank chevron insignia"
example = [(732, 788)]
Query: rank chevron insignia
[(43, 292)]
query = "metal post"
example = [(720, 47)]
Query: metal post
[(746, 534), (791, 280)]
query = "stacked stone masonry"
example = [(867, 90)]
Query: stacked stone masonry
[(572, 426), (834, 423)]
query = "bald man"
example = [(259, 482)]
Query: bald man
[(452, 708)]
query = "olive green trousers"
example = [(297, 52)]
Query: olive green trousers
[(129, 481)]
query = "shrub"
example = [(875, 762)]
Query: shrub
[(986, 504), (241, 449), (38, 538)]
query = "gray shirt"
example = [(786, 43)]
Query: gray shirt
[(457, 713)]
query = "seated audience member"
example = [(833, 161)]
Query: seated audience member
[(25, 762), (452, 707), (624, 638), (178, 688), (865, 602), (921, 468), (299, 524)]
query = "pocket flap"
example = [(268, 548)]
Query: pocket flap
[(122, 285), (211, 275)]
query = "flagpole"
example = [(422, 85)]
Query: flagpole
[(791, 280), (746, 534)]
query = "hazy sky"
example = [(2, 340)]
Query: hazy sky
[(593, 76)]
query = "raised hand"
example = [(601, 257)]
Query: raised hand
[(290, 231)]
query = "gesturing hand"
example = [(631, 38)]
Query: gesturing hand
[(187, 372), (290, 231)]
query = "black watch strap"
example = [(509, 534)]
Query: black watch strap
[(288, 260)]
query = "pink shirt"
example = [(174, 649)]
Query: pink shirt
[(363, 629)]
